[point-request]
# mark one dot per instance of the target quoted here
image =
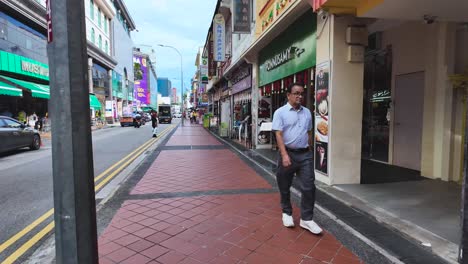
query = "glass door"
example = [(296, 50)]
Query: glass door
[(377, 103)]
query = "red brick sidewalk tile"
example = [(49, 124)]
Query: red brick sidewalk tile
[(243, 228), (218, 238), (197, 170), (192, 136)]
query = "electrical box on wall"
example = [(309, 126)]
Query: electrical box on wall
[(356, 53), (356, 36)]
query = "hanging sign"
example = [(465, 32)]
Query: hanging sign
[(241, 16), (219, 33), (50, 36)]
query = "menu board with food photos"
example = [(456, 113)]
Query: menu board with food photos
[(322, 117)]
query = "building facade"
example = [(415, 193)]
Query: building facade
[(164, 85), (122, 76), (24, 72), (146, 84), (99, 16)]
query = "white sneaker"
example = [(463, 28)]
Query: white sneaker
[(288, 220), (311, 226)]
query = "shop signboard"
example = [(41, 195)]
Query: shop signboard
[(270, 11), (204, 70), (241, 16), (291, 52), (13, 63), (141, 79), (322, 116), (219, 33), (211, 62), (241, 79)]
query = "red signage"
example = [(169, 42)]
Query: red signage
[(50, 35), (316, 4)]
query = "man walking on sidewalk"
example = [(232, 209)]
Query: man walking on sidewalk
[(292, 124)]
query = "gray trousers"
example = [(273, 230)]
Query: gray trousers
[(303, 166)]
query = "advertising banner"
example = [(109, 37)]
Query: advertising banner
[(219, 33), (241, 16), (141, 80), (322, 117), (291, 52)]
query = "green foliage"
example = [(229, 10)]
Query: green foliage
[(137, 72)]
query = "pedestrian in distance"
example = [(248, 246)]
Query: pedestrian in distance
[(292, 124), (154, 122)]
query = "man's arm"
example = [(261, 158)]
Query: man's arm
[(311, 139), (282, 149)]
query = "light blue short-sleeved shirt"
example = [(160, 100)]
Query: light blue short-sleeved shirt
[(295, 125)]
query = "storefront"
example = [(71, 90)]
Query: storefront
[(241, 81), (287, 59), (24, 89)]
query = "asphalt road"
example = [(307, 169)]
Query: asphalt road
[(26, 187)]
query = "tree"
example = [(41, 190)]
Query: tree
[(138, 73)]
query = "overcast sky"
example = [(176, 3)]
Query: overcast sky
[(182, 24)]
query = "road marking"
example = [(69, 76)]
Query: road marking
[(26, 246), (117, 171), (26, 230), (31, 242), (152, 140)]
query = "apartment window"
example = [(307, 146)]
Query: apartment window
[(105, 24), (91, 9), (93, 38), (99, 18), (100, 42), (107, 47)]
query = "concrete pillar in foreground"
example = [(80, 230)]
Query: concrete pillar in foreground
[(73, 174)]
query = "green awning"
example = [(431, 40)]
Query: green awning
[(6, 89), (37, 90), (94, 102), (147, 108)]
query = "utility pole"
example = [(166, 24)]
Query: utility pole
[(74, 197), (463, 250)]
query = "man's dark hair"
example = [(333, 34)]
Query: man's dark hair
[(289, 88)]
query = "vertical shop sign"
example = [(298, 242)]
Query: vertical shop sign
[(211, 62), (242, 11), (322, 117), (219, 34), (141, 77), (50, 36), (204, 70)]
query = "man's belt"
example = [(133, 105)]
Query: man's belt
[(298, 150)]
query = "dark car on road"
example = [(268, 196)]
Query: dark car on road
[(15, 135)]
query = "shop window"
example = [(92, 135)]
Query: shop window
[(91, 9), (100, 42), (93, 36)]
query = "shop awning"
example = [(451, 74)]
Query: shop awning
[(147, 108), (6, 89), (37, 90), (94, 102)]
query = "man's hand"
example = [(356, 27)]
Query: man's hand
[(286, 160)]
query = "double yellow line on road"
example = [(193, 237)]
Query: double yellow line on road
[(124, 162)]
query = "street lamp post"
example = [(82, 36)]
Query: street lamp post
[(181, 77)]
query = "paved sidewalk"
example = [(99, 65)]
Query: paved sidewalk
[(200, 203)]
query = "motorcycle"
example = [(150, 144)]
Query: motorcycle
[(137, 121)]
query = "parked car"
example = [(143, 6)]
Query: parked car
[(177, 115), (15, 135)]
